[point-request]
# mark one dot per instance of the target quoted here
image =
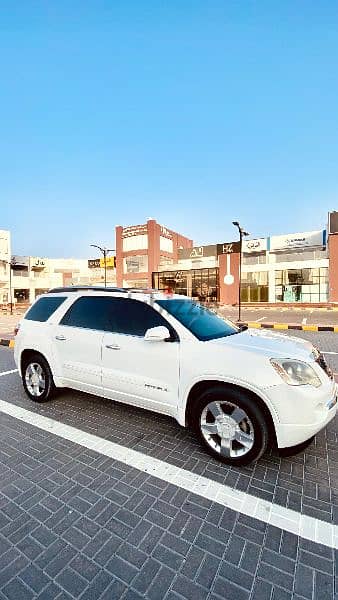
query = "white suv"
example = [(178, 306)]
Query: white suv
[(238, 389)]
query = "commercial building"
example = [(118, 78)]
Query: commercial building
[(199, 272), (23, 278), (297, 268), (142, 249), (291, 268), (5, 256), (32, 276)]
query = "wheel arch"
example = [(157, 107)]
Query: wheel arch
[(27, 353), (202, 386)]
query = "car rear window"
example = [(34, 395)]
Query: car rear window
[(44, 308)]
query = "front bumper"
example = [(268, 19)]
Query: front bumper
[(303, 411)]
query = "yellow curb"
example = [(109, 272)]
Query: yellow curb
[(280, 326), (11, 344), (310, 327), (254, 325), (335, 329)]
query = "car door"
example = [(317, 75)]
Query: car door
[(140, 372), (77, 343)]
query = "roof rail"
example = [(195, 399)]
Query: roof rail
[(86, 288)]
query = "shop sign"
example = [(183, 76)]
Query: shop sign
[(228, 248), (307, 239), (134, 230), (98, 263), (20, 261), (197, 252), (258, 245), (94, 263), (38, 263), (165, 232)]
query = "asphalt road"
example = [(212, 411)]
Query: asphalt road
[(297, 316), (75, 523), (310, 316)]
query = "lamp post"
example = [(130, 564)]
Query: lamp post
[(105, 252), (241, 234), (9, 263)]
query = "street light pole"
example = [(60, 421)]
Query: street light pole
[(241, 234), (10, 285), (105, 253)]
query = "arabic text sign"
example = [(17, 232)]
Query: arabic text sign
[(307, 239), (98, 263), (197, 252), (134, 230), (258, 245)]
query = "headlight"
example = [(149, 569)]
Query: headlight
[(295, 372)]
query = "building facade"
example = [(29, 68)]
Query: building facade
[(5, 256), (142, 249), (31, 276), (291, 268)]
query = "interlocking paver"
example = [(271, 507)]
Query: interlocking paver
[(75, 523)]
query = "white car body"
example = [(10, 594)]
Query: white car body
[(160, 376)]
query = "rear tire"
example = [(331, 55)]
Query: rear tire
[(230, 425), (37, 379)]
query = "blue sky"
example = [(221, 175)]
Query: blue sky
[(195, 113)]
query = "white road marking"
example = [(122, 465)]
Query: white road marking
[(8, 372), (261, 319), (324, 352), (304, 321), (284, 518)]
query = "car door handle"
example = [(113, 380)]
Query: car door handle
[(113, 347), (60, 337)]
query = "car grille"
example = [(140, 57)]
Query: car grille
[(321, 360)]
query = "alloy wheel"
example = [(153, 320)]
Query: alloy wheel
[(227, 429), (35, 379)]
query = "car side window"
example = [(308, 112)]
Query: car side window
[(133, 317), (43, 308), (89, 312)]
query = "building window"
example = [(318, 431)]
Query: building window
[(166, 245), (254, 287), (300, 256), (200, 284), (21, 295), (254, 258), (135, 264), (302, 285), (135, 242)]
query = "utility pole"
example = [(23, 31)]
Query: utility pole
[(242, 233), (105, 251)]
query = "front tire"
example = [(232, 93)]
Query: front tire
[(37, 379), (230, 425)]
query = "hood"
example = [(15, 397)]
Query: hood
[(270, 344)]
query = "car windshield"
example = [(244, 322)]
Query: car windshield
[(202, 322)]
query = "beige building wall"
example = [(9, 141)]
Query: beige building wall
[(5, 253)]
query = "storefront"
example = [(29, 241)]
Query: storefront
[(201, 284), (291, 268)]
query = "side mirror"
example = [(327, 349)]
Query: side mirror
[(157, 334)]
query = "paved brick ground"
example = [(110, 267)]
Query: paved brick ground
[(306, 482), (74, 524)]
